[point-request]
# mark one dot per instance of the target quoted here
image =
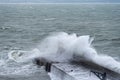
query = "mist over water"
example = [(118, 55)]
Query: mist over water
[(26, 28)]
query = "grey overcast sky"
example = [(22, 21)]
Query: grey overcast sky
[(58, 1)]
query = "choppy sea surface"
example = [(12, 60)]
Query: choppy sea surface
[(24, 26)]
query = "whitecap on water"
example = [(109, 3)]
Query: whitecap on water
[(49, 19)]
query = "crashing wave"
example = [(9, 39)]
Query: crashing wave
[(61, 47)]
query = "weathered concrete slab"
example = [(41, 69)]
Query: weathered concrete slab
[(67, 71), (79, 70)]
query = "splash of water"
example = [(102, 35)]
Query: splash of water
[(61, 47)]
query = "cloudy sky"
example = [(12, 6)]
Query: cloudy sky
[(57, 1)]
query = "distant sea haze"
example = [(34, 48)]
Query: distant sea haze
[(60, 1)]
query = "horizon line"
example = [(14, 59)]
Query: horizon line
[(63, 3)]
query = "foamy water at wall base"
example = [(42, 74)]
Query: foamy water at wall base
[(57, 32)]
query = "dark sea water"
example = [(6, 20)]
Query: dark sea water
[(23, 26)]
